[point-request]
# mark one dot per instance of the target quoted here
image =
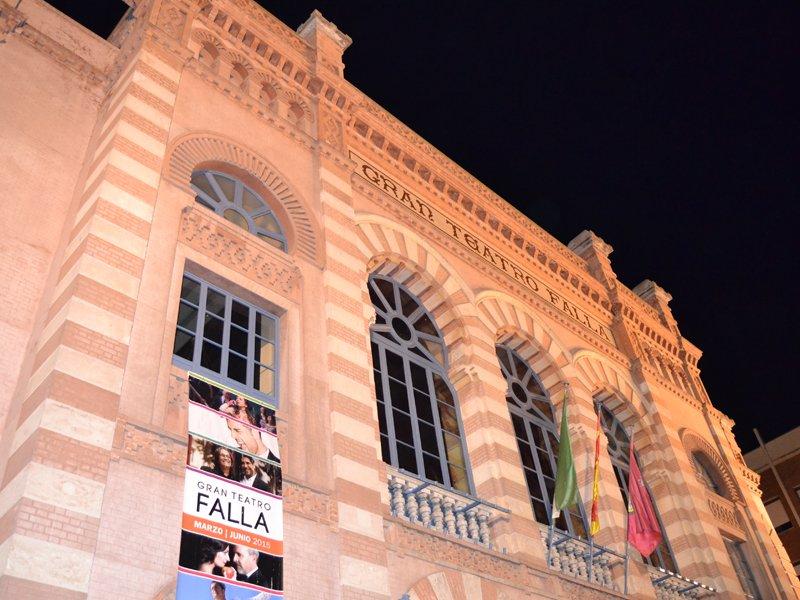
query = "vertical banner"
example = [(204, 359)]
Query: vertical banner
[(232, 528)]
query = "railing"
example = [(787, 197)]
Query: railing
[(449, 512), (672, 586), (579, 558)]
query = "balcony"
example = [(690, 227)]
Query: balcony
[(580, 559), (672, 586), (446, 511)]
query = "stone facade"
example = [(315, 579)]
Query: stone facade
[(101, 139)]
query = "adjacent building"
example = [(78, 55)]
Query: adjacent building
[(778, 465), (260, 339)]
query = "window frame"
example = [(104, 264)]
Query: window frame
[(548, 428), (383, 380), (195, 365)]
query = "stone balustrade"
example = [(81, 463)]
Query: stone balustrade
[(672, 586), (451, 513), (724, 510), (575, 557)]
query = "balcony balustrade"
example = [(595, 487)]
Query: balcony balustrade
[(454, 514), (580, 559)]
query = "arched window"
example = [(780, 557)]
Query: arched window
[(419, 421), (618, 450), (537, 440), (706, 473), (229, 197)]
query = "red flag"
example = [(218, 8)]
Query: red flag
[(644, 533), (594, 527)]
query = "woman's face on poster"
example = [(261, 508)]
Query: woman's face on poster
[(222, 558), (225, 459)]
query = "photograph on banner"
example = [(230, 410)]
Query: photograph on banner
[(232, 404), (196, 587), (225, 462), (213, 425), (226, 561)]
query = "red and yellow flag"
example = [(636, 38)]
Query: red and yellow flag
[(594, 526)]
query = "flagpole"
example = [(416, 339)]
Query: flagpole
[(550, 534), (628, 521)]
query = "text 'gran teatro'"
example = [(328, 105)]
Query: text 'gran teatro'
[(261, 340)]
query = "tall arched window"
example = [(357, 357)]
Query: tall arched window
[(537, 440), (618, 450), (229, 197), (419, 421)]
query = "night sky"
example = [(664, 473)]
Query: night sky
[(669, 129)]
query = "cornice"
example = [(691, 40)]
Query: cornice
[(593, 297), (502, 281), (14, 23)]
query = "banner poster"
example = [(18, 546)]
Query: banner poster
[(232, 527)]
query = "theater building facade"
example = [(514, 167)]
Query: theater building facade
[(261, 340)]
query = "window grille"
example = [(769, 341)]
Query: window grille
[(618, 450), (218, 334), (419, 419), (537, 439), (238, 204)]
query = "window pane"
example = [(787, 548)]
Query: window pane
[(423, 405), (190, 291), (519, 427), (385, 456), (525, 454), (200, 181), (235, 217), (458, 478), (395, 366), (187, 317), (399, 395), (264, 351), (540, 512), (238, 340), (212, 330), (227, 186), (265, 326), (250, 202), (534, 487), (237, 368), (406, 458), (211, 357), (215, 303), (427, 437), (448, 419), (452, 447), (419, 377), (267, 223), (382, 418), (402, 427), (265, 381), (184, 345), (240, 314), (433, 467)]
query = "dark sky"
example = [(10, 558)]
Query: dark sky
[(669, 129)]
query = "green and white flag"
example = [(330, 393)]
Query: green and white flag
[(566, 493)]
